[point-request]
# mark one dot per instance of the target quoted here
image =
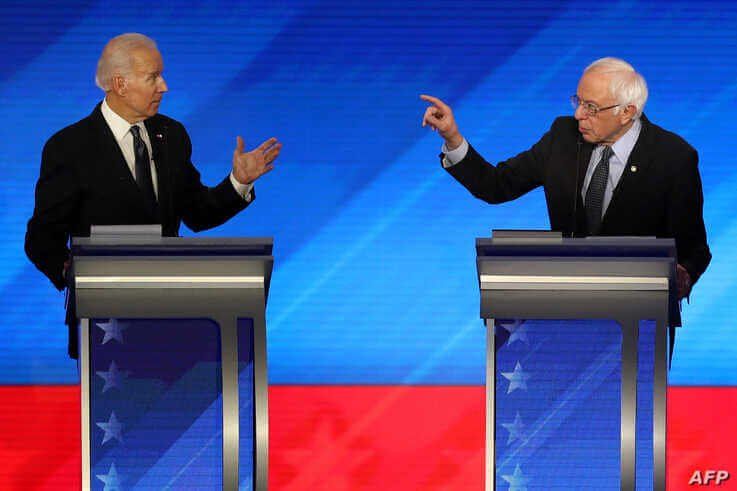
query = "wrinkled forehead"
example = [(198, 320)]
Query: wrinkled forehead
[(146, 60), (594, 86)]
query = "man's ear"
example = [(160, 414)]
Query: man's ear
[(119, 85), (628, 114)]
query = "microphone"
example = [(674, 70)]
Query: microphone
[(160, 158), (164, 143), (579, 142)]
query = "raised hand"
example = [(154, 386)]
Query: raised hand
[(439, 117), (249, 166)]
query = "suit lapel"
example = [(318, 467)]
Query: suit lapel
[(157, 137), (583, 163), (111, 155), (638, 161), (109, 151)]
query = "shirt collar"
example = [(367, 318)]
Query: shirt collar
[(623, 147), (119, 126)]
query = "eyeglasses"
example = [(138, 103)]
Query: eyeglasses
[(590, 108)]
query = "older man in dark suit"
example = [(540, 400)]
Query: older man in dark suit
[(127, 164), (606, 171)]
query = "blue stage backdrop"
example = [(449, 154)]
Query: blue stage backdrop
[(374, 281)]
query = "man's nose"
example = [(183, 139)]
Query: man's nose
[(580, 113), (162, 87)]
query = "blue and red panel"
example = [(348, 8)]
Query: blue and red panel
[(347, 438)]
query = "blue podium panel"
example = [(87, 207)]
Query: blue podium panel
[(246, 408), (156, 404), (645, 396), (558, 392), (558, 404)]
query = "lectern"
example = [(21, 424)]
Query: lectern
[(172, 361), (577, 336)]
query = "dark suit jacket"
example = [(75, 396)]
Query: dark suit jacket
[(85, 181), (658, 195)]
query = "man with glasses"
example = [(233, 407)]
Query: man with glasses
[(606, 171)]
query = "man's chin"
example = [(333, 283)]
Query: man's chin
[(588, 137)]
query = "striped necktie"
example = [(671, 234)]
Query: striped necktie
[(595, 193)]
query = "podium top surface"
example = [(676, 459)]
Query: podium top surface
[(179, 246), (540, 245)]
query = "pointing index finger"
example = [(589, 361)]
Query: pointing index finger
[(435, 101)]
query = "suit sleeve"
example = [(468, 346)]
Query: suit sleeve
[(507, 180), (204, 207), (686, 217), (57, 196)]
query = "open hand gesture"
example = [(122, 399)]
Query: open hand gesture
[(249, 166)]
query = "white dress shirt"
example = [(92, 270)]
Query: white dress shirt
[(122, 132)]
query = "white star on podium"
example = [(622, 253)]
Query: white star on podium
[(517, 482), (517, 379), (517, 331), (113, 377), (514, 429), (113, 429), (111, 479), (113, 330)]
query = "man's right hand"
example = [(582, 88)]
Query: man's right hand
[(64, 271), (683, 280), (439, 117)]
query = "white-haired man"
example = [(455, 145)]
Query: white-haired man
[(606, 171), (127, 164)]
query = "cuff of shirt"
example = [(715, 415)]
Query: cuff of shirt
[(454, 156), (244, 190)]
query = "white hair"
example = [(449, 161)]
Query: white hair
[(116, 57), (626, 86)]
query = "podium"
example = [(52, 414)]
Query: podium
[(172, 361), (577, 336)]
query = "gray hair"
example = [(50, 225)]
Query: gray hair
[(116, 57), (626, 85)]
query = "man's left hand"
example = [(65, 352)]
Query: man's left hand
[(683, 280), (249, 166)]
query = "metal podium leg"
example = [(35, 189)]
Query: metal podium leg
[(660, 381), (261, 398), (231, 416), (630, 331), (231, 420), (84, 383), (490, 407)]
